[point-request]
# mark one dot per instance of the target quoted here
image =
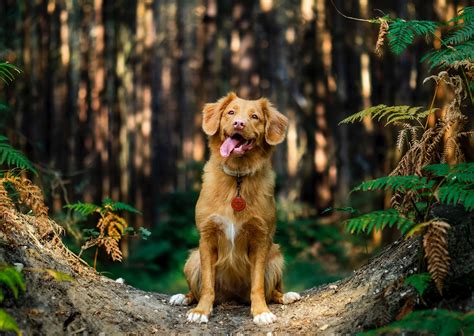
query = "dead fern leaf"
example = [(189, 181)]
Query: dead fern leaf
[(381, 37), (112, 248), (436, 251)]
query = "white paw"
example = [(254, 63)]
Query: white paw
[(179, 300), (264, 318), (197, 317), (290, 297)]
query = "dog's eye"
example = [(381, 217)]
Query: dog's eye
[(231, 112), (254, 116)]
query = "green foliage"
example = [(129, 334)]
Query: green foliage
[(458, 186), (401, 33), (391, 114), (119, 206), (450, 55), (8, 72), (439, 322), (378, 220), (7, 323), (13, 280), (404, 183), (13, 158), (419, 281), (451, 185), (84, 209)]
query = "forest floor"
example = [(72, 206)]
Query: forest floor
[(93, 304)]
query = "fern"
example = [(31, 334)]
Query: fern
[(448, 56), (8, 72), (14, 158), (84, 209), (433, 322), (13, 279), (378, 220), (7, 323), (410, 182), (463, 34), (119, 206), (467, 15), (418, 281), (392, 114), (401, 33), (457, 194)]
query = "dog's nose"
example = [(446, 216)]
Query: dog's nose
[(239, 124)]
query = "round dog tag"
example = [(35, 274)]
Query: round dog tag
[(238, 203)]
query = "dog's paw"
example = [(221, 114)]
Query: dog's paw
[(291, 297), (197, 316), (264, 318), (179, 300)]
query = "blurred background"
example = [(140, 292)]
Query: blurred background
[(109, 105)]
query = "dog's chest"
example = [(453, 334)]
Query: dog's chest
[(228, 226)]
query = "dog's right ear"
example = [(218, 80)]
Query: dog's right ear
[(211, 114)]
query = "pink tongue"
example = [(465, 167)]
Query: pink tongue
[(228, 146)]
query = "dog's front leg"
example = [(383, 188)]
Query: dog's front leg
[(258, 254), (208, 254)]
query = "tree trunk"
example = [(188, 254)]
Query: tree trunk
[(372, 296)]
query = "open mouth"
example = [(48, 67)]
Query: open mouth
[(236, 144)]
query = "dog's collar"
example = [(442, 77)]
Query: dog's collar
[(236, 173)]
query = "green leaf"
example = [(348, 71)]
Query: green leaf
[(145, 233), (60, 276), (84, 209), (378, 220), (409, 182), (7, 322), (402, 33), (391, 114), (14, 158), (419, 281), (12, 279), (119, 206)]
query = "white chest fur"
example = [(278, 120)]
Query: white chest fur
[(228, 226)]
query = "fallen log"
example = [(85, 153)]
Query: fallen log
[(93, 304)]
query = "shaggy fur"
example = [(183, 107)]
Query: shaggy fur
[(237, 259)]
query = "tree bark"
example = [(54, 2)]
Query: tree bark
[(372, 296)]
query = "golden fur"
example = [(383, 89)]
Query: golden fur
[(237, 259)]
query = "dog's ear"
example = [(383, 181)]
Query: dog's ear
[(211, 114), (275, 123)]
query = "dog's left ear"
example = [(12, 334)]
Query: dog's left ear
[(211, 114), (275, 123)]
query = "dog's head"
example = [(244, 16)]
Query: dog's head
[(243, 128)]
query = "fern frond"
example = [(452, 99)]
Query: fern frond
[(118, 206), (401, 33), (8, 72), (14, 158), (436, 251), (418, 281), (444, 169), (429, 322), (392, 114), (84, 209), (451, 55), (111, 248), (29, 194), (455, 193), (463, 34), (12, 279), (466, 15), (7, 323), (378, 220), (410, 182)]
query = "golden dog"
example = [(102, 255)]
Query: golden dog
[(235, 212)]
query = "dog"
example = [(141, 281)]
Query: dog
[(235, 212)]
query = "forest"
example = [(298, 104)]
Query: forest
[(103, 149)]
